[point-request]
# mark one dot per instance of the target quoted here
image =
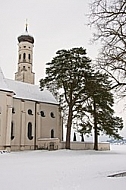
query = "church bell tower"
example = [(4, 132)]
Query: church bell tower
[(25, 58)]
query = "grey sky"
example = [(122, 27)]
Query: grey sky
[(55, 24)]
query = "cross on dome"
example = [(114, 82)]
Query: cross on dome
[(26, 26)]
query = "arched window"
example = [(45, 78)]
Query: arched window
[(42, 113), (30, 137), (19, 56), (24, 56), (30, 112), (29, 56), (13, 110), (12, 130), (52, 133)]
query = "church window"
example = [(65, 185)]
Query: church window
[(24, 46), (30, 112), (42, 113), (12, 130), (52, 133), (13, 110), (19, 56), (24, 56), (0, 109), (52, 115), (30, 137), (29, 56)]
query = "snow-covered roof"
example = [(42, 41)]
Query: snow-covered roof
[(30, 92), (26, 91), (3, 84)]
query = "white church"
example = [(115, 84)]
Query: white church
[(29, 118)]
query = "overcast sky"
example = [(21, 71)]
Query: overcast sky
[(54, 24)]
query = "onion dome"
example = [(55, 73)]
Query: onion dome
[(25, 37)]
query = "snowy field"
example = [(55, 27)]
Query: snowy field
[(63, 170)]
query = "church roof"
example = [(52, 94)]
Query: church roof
[(26, 91), (30, 92), (3, 84), (26, 37)]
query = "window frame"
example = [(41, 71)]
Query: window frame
[(30, 112), (42, 114), (29, 131), (52, 115), (12, 130), (52, 133)]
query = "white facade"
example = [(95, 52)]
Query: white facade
[(26, 116)]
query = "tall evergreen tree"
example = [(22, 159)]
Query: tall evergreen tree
[(100, 106), (66, 75)]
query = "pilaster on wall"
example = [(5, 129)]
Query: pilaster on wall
[(38, 132), (9, 120), (23, 120)]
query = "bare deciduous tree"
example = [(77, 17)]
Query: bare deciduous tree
[(108, 17)]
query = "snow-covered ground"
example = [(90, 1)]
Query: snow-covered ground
[(63, 170)]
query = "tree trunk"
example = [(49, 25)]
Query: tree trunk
[(95, 138), (69, 123), (95, 128)]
